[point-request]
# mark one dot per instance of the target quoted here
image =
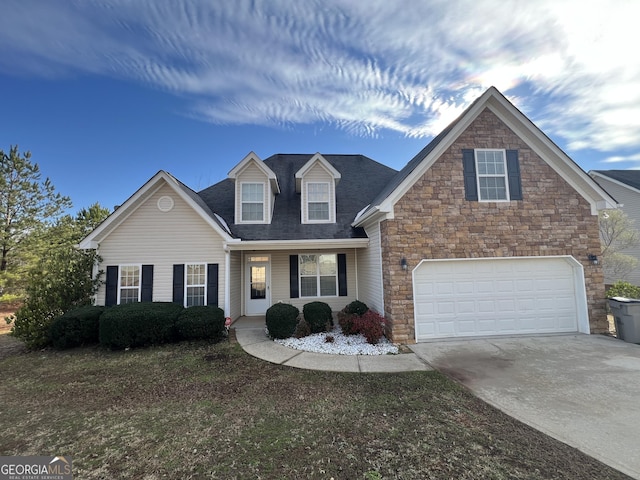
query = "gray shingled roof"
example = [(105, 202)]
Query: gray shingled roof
[(362, 179), (628, 177), (198, 200)]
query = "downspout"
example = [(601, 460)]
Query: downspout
[(95, 269), (227, 281), (355, 255)]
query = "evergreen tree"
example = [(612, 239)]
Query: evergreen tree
[(62, 279), (28, 204)]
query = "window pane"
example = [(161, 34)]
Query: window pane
[(490, 162), (493, 188), (130, 276), (308, 265), (196, 274), (258, 280), (318, 211), (328, 286), (128, 295), (309, 286), (317, 192), (252, 212), (328, 265), (252, 192), (195, 296)]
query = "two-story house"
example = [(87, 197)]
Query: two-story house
[(489, 230)]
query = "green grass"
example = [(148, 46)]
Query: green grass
[(212, 411)]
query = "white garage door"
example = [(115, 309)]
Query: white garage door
[(499, 296)]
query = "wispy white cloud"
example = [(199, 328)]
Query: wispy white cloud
[(365, 67), (623, 158)]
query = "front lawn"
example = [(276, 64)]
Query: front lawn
[(212, 411)]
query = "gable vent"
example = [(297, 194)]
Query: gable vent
[(165, 203)]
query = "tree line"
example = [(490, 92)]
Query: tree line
[(40, 265)]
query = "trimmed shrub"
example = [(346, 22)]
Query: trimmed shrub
[(357, 307), (345, 320), (319, 316), (76, 327), (623, 289), (139, 324), (302, 329), (282, 319), (371, 325), (201, 323)]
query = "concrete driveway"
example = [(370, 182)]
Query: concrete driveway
[(581, 389)]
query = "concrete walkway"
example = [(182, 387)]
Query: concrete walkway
[(252, 338), (583, 390)]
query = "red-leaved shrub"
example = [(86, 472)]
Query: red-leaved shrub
[(371, 324), (345, 320)]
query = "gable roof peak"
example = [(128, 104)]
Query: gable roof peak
[(493, 100), (317, 158), (252, 157), (92, 240)]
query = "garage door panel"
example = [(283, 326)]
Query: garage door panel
[(486, 306), (506, 305), (505, 286), (524, 285), (484, 286), (466, 326), (466, 306), (444, 308), (444, 288), (424, 289), (495, 296), (464, 288)]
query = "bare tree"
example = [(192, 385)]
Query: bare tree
[(617, 233)]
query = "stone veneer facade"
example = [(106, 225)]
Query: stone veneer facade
[(433, 220)]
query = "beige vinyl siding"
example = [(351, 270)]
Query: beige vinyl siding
[(253, 174), (370, 270), (280, 280), (318, 174), (162, 239), (235, 277), (631, 201)]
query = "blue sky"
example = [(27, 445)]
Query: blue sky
[(105, 93)]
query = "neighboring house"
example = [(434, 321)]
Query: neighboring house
[(624, 186), (487, 231)]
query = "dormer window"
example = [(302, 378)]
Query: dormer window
[(256, 188), (318, 201), (252, 202), (316, 183)]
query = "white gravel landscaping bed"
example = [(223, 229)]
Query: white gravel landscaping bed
[(341, 345)]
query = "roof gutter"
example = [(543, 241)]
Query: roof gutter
[(322, 244)]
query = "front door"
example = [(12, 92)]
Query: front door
[(258, 291)]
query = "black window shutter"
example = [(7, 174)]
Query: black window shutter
[(293, 277), (513, 171), (342, 274), (212, 284), (469, 171), (146, 295), (111, 297), (178, 283)]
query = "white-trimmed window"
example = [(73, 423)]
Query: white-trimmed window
[(195, 292), (129, 284), (252, 209), (318, 202), (318, 275), (491, 168)]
